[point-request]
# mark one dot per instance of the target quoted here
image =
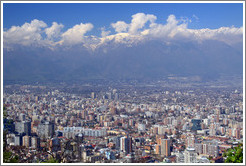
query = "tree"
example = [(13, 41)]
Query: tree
[(8, 157), (234, 155), (5, 114)]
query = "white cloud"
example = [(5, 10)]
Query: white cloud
[(168, 30), (228, 35), (120, 26), (76, 34), (178, 30), (28, 33), (139, 20), (54, 31), (37, 33)]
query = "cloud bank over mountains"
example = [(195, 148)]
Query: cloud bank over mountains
[(141, 28), (141, 49)]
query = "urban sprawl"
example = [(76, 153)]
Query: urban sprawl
[(126, 124)]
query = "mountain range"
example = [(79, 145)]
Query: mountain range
[(112, 60)]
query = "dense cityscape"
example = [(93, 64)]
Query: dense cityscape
[(115, 83), (129, 123)]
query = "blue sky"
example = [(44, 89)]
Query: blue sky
[(91, 24), (102, 15)]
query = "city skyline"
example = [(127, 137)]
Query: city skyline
[(123, 82)]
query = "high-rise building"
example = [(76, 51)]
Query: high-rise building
[(190, 155), (84, 114), (165, 147), (213, 148), (205, 148), (196, 124), (114, 91), (55, 144), (126, 144), (18, 140), (237, 133), (10, 138), (69, 132), (9, 125), (35, 142), (72, 121), (27, 141), (157, 149), (37, 99), (117, 141), (46, 129), (198, 148), (23, 127), (116, 96), (190, 141), (93, 95), (109, 96)]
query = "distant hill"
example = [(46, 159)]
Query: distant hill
[(143, 60)]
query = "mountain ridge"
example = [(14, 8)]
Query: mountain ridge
[(152, 59)]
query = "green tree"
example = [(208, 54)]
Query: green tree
[(8, 157), (5, 114), (234, 155)]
